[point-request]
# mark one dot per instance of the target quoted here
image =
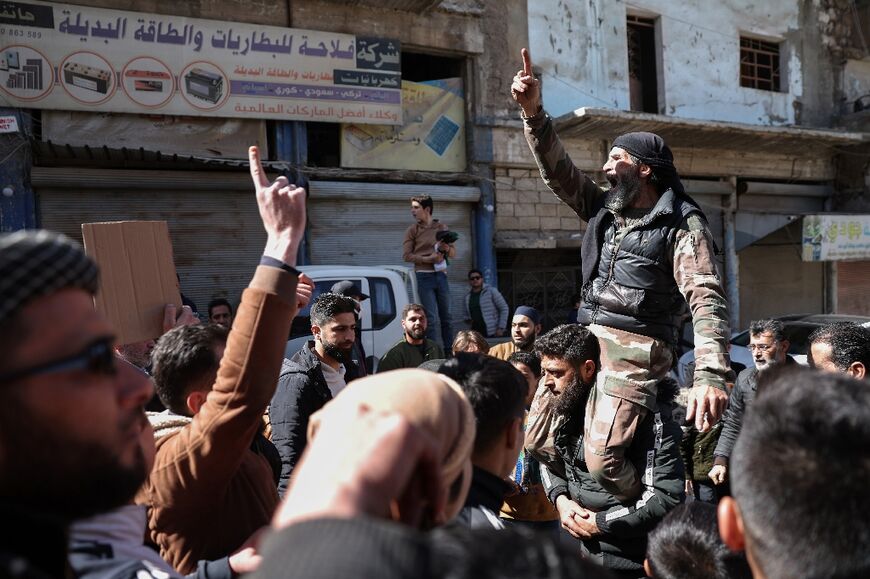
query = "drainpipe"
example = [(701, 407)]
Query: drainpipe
[(484, 231), (732, 261), (291, 144)]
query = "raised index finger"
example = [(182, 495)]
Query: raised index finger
[(527, 62), (257, 173)]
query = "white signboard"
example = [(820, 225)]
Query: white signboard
[(8, 124), (66, 57), (836, 237)]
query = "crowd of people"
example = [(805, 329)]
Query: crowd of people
[(557, 453)]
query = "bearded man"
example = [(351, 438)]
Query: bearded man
[(647, 261), (612, 532), (312, 377)]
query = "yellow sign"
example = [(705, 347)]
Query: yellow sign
[(432, 137)]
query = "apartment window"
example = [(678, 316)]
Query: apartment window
[(642, 66), (759, 64)]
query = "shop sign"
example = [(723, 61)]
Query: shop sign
[(836, 237), (67, 57)]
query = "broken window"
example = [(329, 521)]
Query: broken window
[(759, 64), (642, 66)]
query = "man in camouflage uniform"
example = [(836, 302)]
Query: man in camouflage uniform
[(646, 254)]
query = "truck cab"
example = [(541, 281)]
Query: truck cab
[(389, 287)]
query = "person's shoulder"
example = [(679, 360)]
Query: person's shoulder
[(411, 230)]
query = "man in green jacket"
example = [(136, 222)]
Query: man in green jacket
[(414, 348)]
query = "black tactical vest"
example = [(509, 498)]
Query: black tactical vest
[(632, 287)]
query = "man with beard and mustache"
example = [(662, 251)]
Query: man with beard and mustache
[(414, 348), (70, 413), (769, 348), (647, 260), (312, 377), (525, 327), (612, 532)]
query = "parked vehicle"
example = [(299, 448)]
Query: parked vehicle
[(798, 328), (389, 287)]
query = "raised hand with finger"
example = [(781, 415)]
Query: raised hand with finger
[(525, 88), (282, 209)]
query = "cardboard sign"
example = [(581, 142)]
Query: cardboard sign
[(137, 275)]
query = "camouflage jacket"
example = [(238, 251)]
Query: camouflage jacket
[(692, 255)]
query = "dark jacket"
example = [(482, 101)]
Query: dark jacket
[(697, 451), (32, 545), (485, 497), (405, 355), (624, 526), (301, 392), (741, 398), (628, 283)]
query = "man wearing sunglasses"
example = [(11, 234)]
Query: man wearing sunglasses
[(71, 416), (769, 348), (485, 308)]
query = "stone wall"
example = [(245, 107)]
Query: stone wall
[(529, 215)]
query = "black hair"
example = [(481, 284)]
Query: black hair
[(328, 305), (473, 271), (849, 343), (425, 202), (497, 392), (529, 359), (775, 327), (219, 302), (412, 308), (686, 545), (799, 474), (571, 342), (182, 358)]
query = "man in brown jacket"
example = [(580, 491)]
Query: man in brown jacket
[(429, 255), (208, 491)]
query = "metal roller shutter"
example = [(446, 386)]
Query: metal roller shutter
[(853, 287), (365, 223), (217, 235)]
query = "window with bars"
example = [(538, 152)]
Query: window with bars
[(759, 64)]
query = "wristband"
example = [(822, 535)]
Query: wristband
[(272, 262)]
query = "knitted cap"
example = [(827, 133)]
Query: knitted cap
[(38, 263), (529, 312)]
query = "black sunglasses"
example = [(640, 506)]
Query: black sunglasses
[(97, 357), (474, 277)]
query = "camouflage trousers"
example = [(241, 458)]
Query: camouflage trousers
[(625, 391)]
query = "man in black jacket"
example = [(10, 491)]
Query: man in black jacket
[(769, 348), (497, 392), (312, 377), (613, 533)]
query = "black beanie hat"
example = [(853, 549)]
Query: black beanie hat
[(652, 151)]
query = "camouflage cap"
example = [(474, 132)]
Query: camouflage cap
[(39, 263)]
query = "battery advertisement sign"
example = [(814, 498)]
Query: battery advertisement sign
[(67, 57)]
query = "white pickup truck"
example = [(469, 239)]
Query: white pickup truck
[(389, 287)]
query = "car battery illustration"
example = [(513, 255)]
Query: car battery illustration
[(87, 77), (149, 80), (204, 85)]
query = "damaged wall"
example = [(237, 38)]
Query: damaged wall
[(581, 47)]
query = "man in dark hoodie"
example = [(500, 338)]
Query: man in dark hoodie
[(312, 377), (613, 532), (647, 262)]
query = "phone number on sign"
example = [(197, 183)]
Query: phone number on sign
[(18, 33)]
